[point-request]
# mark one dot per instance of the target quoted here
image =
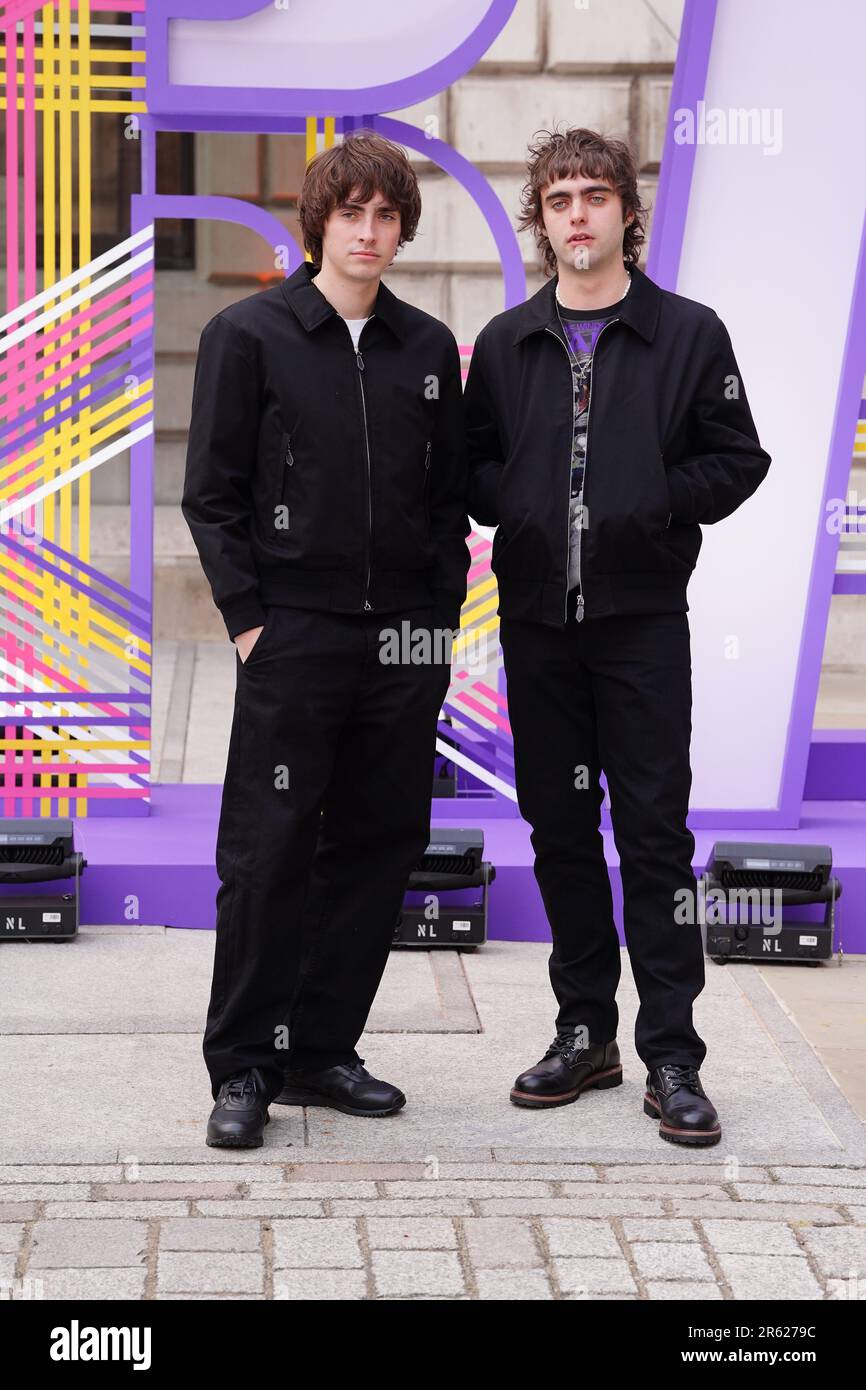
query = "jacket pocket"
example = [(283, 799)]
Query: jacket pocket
[(683, 544)]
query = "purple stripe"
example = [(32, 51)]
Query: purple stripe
[(50, 721), (110, 696), (76, 563), (823, 580), (501, 746), (134, 622), (118, 364), (675, 174)]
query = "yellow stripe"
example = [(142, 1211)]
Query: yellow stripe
[(478, 610), (71, 746), (85, 253), (83, 80), (63, 607), (49, 277), (100, 413), (480, 587), (10, 566), (312, 136), (69, 105), (98, 55)]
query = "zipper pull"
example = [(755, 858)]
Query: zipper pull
[(290, 458), (368, 607), (360, 359), (427, 456), (579, 614)]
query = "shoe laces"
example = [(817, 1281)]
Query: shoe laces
[(677, 1076), (238, 1086), (564, 1044)]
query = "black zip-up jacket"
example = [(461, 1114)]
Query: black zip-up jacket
[(671, 445), (321, 477)]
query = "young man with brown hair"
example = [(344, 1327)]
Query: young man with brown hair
[(326, 493), (607, 420)]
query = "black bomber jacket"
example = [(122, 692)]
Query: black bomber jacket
[(671, 445), (321, 477)]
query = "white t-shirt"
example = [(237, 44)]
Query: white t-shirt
[(355, 326)]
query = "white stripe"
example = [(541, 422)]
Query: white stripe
[(455, 756), (123, 31), (113, 253), (88, 292), (19, 678), (69, 475)]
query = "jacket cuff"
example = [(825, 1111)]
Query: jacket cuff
[(242, 612), (680, 496)]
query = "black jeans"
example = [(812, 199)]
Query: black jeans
[(325, 812), (611, 694)]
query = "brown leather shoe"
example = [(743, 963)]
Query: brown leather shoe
[(676, 1098), (567, 1069)]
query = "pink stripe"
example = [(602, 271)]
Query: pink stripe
[(80, 768), (492, 694), (67, 373), (466, 699), (481, 570), (30, 348), (35, 666), (24, 9), (12, 252), (98, 326), (20, 9), (128, 6), (103, 302), (25, 769), (57, 792)]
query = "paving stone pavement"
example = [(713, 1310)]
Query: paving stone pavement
[(107, 1190), (470, 1228)]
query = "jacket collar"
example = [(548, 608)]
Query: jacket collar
[(640, 309), (311, 308)]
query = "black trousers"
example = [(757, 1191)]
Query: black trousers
[(611, 694), (325, 812)]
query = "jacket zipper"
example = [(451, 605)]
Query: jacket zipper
[(426, 485), (580, 603), (368, 607), (289, 461)]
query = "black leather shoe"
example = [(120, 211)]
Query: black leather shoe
[(240, 1113), (565, 1070), (675, 1096), (348, 1087)]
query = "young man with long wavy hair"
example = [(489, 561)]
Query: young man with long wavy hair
[(607, 421)]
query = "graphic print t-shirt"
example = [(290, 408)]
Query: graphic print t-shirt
[(582, 327)]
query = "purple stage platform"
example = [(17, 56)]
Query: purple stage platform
[(159, 869)]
